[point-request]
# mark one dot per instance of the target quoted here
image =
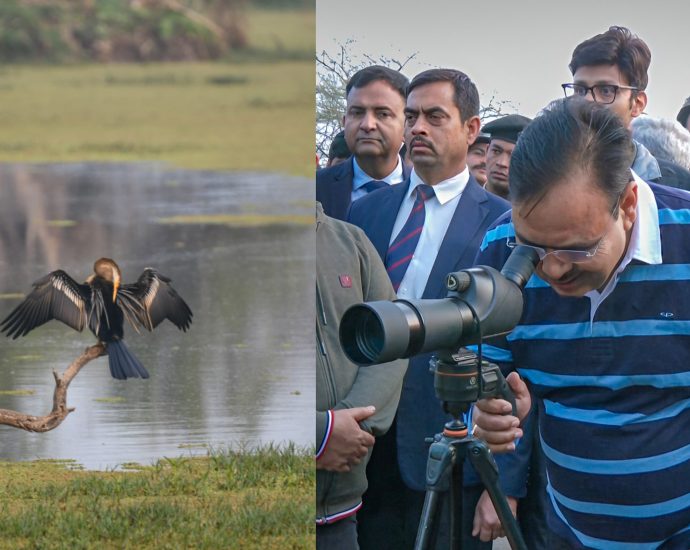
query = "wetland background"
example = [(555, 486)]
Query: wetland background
[(194, 155)]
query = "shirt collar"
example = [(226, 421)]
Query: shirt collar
[(645, 240), (361, 178), (445, 190)]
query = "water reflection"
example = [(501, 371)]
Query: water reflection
[(245, 370)]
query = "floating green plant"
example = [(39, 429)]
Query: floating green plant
[(110, 399), (17, 392), (239, 220)]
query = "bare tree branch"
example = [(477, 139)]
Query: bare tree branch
[(333, 73), (60, 410)]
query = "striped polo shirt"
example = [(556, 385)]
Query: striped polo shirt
[(612, 382)]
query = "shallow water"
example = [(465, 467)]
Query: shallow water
[(240, 250)]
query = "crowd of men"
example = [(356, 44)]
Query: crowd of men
[(597, 455)]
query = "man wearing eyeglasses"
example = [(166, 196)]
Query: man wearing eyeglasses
[(602, 346), (611, 69)]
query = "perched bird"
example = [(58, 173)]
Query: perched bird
[(102, 304)]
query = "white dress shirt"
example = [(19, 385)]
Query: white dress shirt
[(439, 213)]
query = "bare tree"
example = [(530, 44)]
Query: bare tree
[(332, 74), (495, 108), (60, 410)]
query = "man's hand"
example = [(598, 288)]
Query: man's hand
[(349, 443), (493, 421), (486, 524)]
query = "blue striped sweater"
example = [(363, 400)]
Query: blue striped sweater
[(613, 393)]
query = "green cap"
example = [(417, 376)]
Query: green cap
[(507, 128)]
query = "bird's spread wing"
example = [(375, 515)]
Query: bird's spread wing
[(151, 300), (55, 296)]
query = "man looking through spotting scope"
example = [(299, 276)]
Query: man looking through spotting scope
[(602, 346), (427, 227)]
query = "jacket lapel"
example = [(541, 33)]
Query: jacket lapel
[(384, 219), (458, 248), (341, 190)]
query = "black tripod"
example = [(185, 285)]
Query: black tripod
[(459, 378)]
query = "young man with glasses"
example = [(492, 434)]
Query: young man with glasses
[(602, 346), (611, 69)]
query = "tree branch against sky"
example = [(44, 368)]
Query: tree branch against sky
[(518, 51), (334, 69)]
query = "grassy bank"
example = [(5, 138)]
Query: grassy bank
[(253, 112), (258, 499)]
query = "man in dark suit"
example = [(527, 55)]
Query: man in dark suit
[(373, 124), (429, 226)]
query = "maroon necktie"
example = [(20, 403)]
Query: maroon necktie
[(401, 250)]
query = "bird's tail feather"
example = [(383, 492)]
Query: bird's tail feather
[(123, 363)]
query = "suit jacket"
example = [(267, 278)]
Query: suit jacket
[(420, 414), (334, 188)]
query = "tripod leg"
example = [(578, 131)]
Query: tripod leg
[(486, 467), (429, 520), (456, 490)]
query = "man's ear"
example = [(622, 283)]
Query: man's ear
[(629, 205), (639, 103), (473, 125)]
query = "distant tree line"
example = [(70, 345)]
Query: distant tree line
[(284, 4), (124, 30)]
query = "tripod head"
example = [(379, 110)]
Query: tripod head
[(460, 380)]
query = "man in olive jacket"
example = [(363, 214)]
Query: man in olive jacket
[(353, 404)]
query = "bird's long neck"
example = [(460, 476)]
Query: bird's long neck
[(109, 271)]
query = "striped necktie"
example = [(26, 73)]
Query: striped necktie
[(401, 250), (373, 185)]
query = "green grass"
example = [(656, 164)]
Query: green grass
[(261, 498), (253, 112)]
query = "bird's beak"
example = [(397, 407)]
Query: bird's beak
[(116, 285)]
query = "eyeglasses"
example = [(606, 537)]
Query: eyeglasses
[(601, 93), (563, 255), (568, 256)]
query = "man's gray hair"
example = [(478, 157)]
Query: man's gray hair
[(665, 139)]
